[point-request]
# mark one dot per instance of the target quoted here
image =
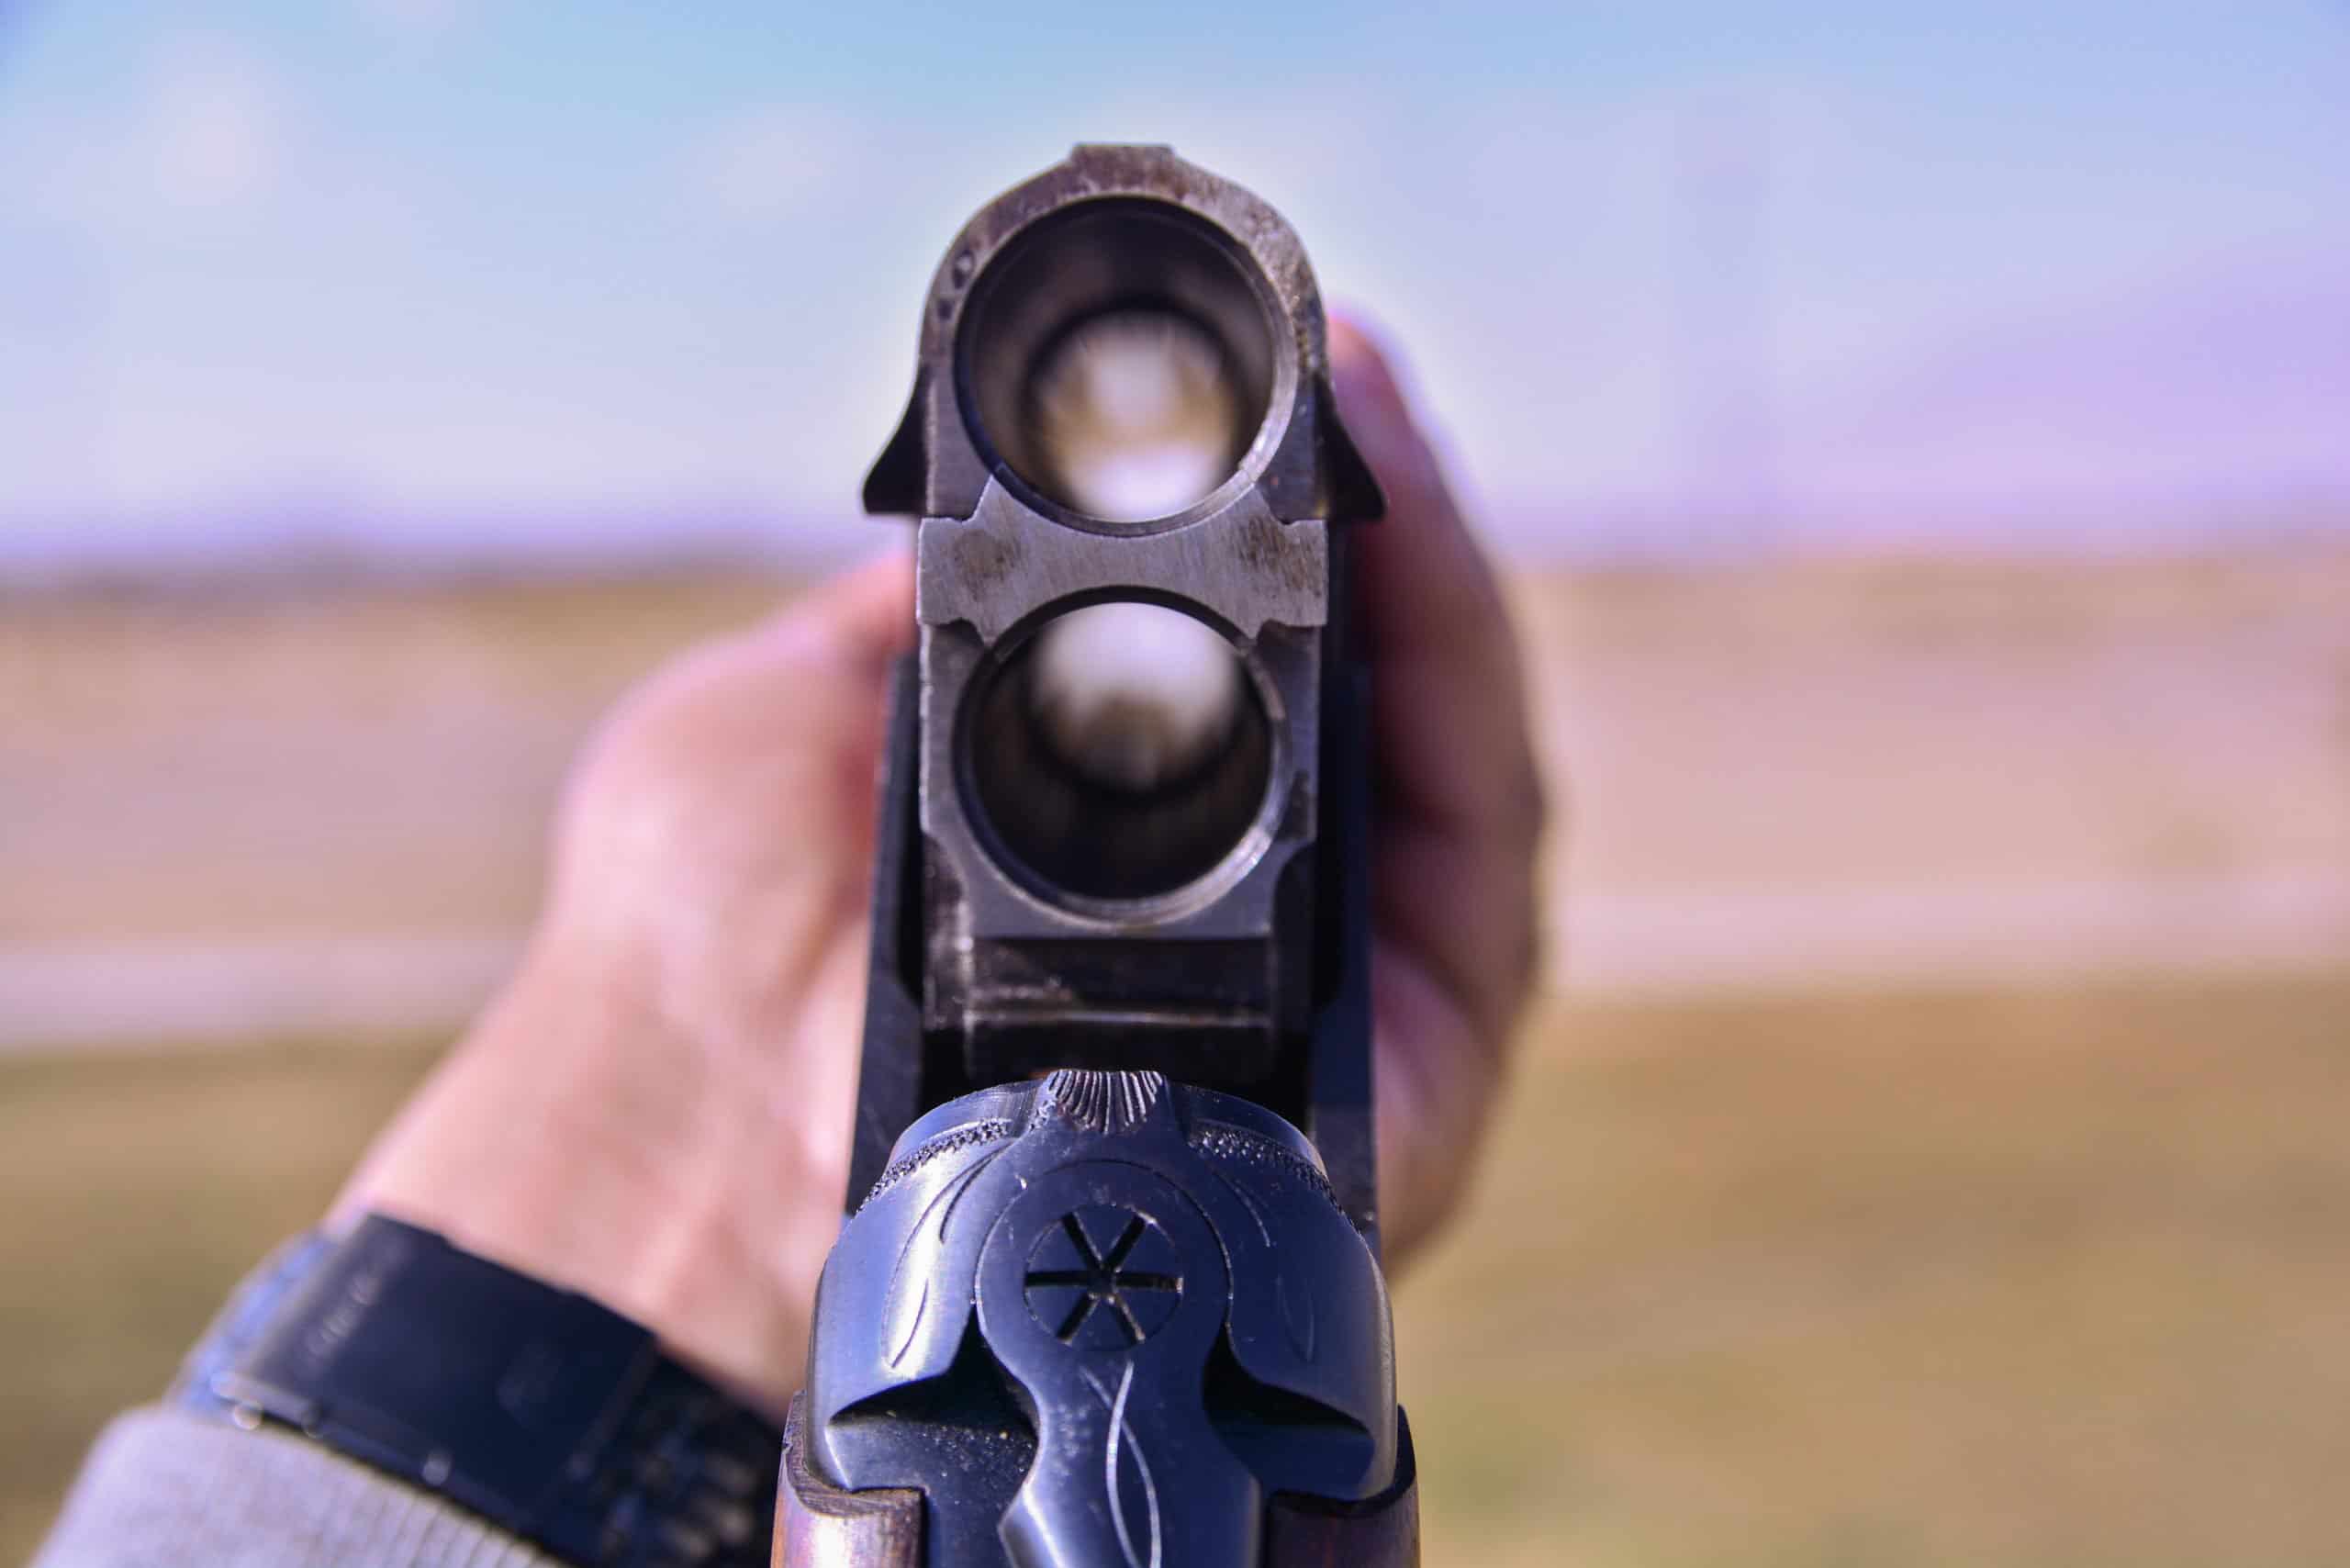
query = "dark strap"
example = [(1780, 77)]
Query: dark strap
[(550, 1415)]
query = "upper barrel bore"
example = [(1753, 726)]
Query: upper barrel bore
[(1118, 358)]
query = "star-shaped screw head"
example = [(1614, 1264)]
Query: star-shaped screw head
[(1105, 1278)]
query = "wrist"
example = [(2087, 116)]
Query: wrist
[(578, 1136), (538, 1409)]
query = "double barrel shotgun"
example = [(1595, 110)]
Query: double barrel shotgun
[(1108, 1293)]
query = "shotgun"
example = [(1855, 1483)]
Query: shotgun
[(1107, 1292)]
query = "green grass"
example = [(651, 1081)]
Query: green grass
[(2034, 1280)]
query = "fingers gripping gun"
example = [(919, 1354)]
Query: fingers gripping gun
[(1107, 1292)]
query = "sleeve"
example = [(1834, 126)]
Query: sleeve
[(166, 1486)]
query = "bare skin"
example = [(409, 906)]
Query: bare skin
[(656, 1108)]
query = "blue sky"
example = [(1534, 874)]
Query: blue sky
[(1674, 272)]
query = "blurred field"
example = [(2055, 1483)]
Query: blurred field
[(236, 810), (1939, 1160), (2053, 1279), (2049, 1281)]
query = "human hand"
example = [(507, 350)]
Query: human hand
[(655, 1110)]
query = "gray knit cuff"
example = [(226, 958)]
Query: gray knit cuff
[(164, 1487)]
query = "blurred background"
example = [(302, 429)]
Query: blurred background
[(1920, 450)]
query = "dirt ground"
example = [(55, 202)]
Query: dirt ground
[(2043, 1280), (1792, 772)]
